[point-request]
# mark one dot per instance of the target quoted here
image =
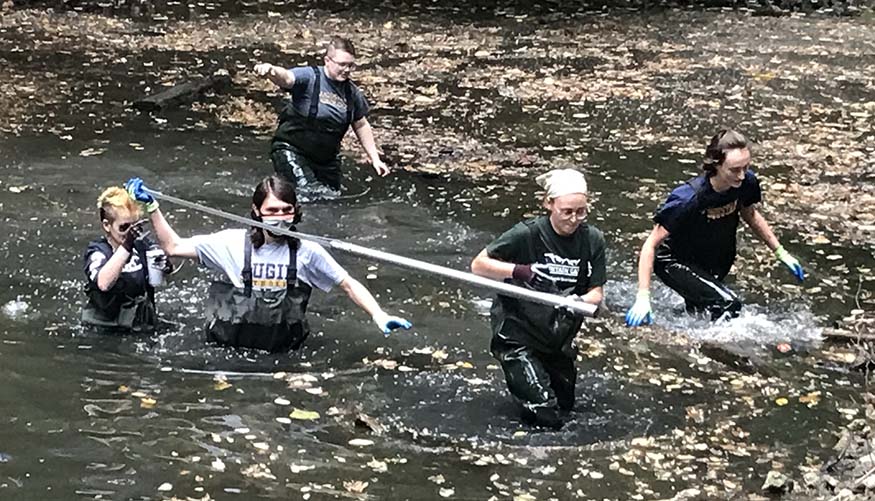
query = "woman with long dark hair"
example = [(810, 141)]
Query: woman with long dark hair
[(260, 300)]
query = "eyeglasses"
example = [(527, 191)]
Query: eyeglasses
[(580, 213), (346, 66)]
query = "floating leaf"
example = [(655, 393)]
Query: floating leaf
[(356, 486), (781, 401), (147, 402), (221, 385), (361, 442), (304, 415)]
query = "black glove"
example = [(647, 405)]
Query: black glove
[(535, 275)]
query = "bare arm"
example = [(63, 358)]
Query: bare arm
[(645, 259), (594, 295), (169, 241), (361, 296), (110, 271), (365, 135), (279, 76), (495, 269), (760, 227)]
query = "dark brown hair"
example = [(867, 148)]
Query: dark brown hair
[(715, 153), (340, 43), (280, 188)]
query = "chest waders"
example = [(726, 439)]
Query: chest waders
[(317, 141), (129, 306), (552, 329), (271, 320)]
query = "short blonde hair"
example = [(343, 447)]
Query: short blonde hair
[(115, 202)]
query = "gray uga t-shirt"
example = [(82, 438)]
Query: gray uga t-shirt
[(223, 252)]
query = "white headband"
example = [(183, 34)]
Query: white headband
[(560, 182)]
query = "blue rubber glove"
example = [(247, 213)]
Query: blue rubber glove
[(388, 323), (791, 262), (135, 189), (640, 313)]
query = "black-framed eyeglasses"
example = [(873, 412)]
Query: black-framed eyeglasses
[(349, 65)]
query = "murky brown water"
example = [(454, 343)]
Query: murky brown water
[(92, 417)]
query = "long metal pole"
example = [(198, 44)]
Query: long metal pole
[(468, 278)]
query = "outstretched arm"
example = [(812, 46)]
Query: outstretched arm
[(760, 226), (167, 238), (365, 135), (363, 297), (645, 259), (279, 76), (640, 312)]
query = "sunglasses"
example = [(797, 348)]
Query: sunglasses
[(124, 227)]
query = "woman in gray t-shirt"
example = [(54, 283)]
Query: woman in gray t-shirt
[(263, 283)]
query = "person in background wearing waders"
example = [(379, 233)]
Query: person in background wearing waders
[(324, 103), (259, 299), (692, 245), (558, 253), (120, 295)]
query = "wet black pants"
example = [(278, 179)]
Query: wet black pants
[(540, 382), (701, 290), (305, 173)]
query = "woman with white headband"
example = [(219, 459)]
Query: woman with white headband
[(556, 253)]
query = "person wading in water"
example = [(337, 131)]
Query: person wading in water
[(324, 103), (557, 253), (692, 244), (260, 298)]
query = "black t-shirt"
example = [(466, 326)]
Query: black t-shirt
[(535, 241), (702, 222)]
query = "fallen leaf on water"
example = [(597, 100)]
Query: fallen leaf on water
[(218, 465), (361, 442), (90, 152), (304, 415), (221, 385), (355, 486), (378, 466), (780, 402), (445, 493), (811, 399), (281, 401), (147, 402), (438, 479), (166, 486)]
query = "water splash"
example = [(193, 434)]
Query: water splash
[(16, 309)]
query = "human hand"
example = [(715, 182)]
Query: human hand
[(381, 167), (791, 262), (388, 323), (640, 312), (137, 190), (263, 69), (535, 275), (134, 233)]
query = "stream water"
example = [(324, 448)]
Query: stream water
[(95, 417)]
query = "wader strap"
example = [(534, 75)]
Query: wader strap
[(583, 270), (314, 97), (348, 98), (292, 270), (247, 266)]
